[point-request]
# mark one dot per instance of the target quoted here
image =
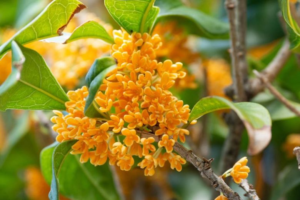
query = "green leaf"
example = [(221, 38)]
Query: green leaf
[(49, 23), (59, 154), (133, 15), (98, 66), (255, 117), (94, 80), (35, 89), (193, 20), (91, 29), (278, 111), (293, 28), (287, 180), (95, 182)]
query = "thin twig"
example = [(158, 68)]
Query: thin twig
[(255, 86), (276, 93), (202, 165), (250, 191), (237, 51), (237, 18), (297, 153), (45, 122)]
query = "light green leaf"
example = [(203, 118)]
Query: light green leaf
[(95, 182), (193, 20), (278, 111), (35, 89), (94, 80), (91, 29), (293, 28), (255, 117), (133, 15), (49, 23)]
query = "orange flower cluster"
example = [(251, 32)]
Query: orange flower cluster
[(175, 47), (136, 96), (36, 186), (292, 141), (218, 77), (240, 170)]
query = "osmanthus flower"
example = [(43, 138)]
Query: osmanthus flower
[(36, 188), (292, 141), (239, 171), (218, 76), (221, 197), (138, 90)]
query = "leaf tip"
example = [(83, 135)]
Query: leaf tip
[(258, 138)]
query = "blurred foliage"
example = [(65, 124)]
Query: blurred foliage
[(274, 172)]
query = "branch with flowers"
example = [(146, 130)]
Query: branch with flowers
[(126, 115)]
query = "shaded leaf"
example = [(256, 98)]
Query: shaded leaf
[(278, 111), (18, 60), (193, 20), (254, 116), (90, 29), (95, 182), (58, 156), (287, 180), (49, 23), (133, 15), (35, 89), (94, 80), (293, 28)]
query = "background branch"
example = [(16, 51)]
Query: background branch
[(276, 93), (297, 153), (256, 85)]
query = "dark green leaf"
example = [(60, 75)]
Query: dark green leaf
[(194, 20), (133, 15), (35, 89), (59, 154), (293, 28), (254, 116), (49, 23), (90, 29), (98, 66), (94, 79), (95, 182)]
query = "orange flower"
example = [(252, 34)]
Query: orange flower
[(149, 163), (126, 162), (147, 145), (167, 143), (292, 141), (221, 197), (240, 170), (176, 161), (134, 120), (131, 136), (116, 122)]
